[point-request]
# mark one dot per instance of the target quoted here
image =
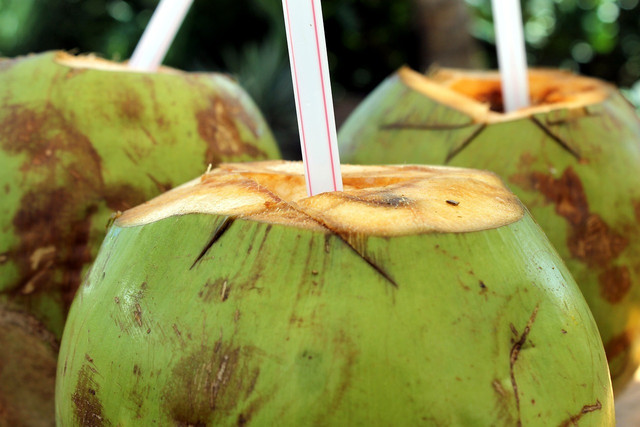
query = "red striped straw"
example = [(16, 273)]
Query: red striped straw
[(312, 89), (507, 18), (159, 34)]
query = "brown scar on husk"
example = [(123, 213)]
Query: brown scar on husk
[(498, 388), (344, 345), (122, 197), (615, 284), (54, 213), (130, 106), (38, 224), (620, 344), (237, 109), (219, 288), (216, 126), (137, 314), (573, 420), (524, 180), (210, 384), (87, 405), (513, 357), (619, 353), (591, 240)]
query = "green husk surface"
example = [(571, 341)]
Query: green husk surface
[(575, 165), (78, 144), (216, 319)]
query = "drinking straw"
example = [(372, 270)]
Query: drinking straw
[(312, 90), (507, 18), (159, 34)]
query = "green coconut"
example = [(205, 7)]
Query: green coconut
[(81, 138), (419, 295), (573, 158)]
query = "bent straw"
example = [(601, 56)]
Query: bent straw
[(507, 18), (159, 34), (312, 89)]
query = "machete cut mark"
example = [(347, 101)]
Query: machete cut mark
[(456, 150), (372, 264), (555, 138), (348, 241), (217, 234)]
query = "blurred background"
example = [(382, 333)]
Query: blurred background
[(367, 40)]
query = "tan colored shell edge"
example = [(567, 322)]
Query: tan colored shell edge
[(377, 200), (94, 62)]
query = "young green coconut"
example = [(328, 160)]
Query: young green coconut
[(419, 295), (573, 158), (81, 138)]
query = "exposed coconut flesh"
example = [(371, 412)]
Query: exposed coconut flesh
[(479, 93), (93, 62), (377, 200)]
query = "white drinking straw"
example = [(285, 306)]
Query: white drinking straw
[(507, 18), (159, 34), (312, 89)]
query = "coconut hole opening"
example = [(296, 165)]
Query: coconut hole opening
[(540, 94), (291, 185), (548, 89)]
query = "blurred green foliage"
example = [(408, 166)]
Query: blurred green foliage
[(599, 38), (367, 38)]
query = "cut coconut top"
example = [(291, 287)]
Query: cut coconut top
[(93, 62), (479, 94), (377, 200)]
